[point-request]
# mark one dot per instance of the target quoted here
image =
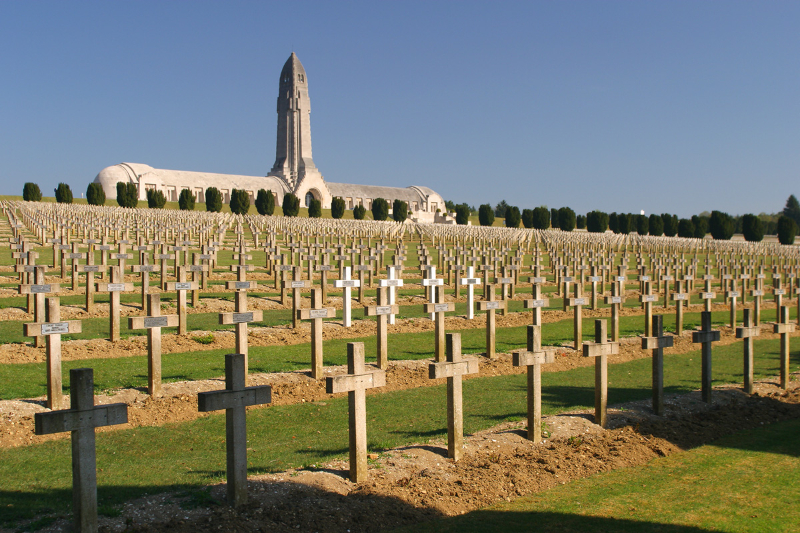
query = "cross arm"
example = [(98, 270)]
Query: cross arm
[(46, 288), (238, 318), (447, 307), (340, 283), (782, 328), (228, 399), (71, 420), (526, 358), (146, 268), (533, 304), (452, 369), (596, 349), (489, 305), (654, 343), (378, 310), (350, 382), (114, 287), (147, 322), (52, 328), (182, 286), (241, 285), (747, 332), (308, 314), (705, 336)]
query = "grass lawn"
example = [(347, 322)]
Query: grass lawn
[(28, 380), (189, 455), (741, 483)]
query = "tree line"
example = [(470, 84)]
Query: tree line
[(719, 224)]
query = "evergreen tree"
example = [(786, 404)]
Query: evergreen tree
[(291, 205), (700, 226), (686, 228), (127, 194), (580, 221), (95, 195), (462, 214), (792, 209), (670, 224), (566, 219), (63, 194), (338, 207), (787, 230), (213, 200), (554, 218), (315, 209), (512, 216), (656, 225), (485, 215), (265, 202), (31, 192), (400, 210), (155, 199), (186, 200), (596, 222), (721, 226), (380, 209), (527, 218), (613, 223), (500, 209), (623, 223), (541, 217), (752, 228), (359, 212), (642, 224)]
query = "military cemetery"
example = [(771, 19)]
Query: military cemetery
[(203, 369)]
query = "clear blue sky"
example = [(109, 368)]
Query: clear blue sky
[(672, 106)]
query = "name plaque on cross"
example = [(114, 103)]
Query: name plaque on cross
[(614, 300), (537, 280), (383, 310), (318, 313), (644, 278), (593, 279), (36, 289), (579, 301), (779, 292), (678, 296), (241, 285), (620, 278), (90, 268), (183, 286), (505, 281), (757, 292), (441, 308), (146, 268), (55, 327), (491, 305), (733, 294), (432, 282), (298, 284), (115, 287), (649, 297), (392, 282), (156, 322), (324, 268), (347, 283), (242, 317)]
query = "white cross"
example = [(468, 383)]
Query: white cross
[(470, 281), (347, 284), (391, 282), (432, 281)]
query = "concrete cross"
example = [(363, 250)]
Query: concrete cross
[(235, 399), (594, 279), (362, 270), (392, 282), (90, 270), (75, 256), (731, 295), (145, 271), (438, 310), (453, 369), (565, 281), (315, 315), (666, 278), (297, 284), (707, 296), (40, 289), (615, 301), (747, 332), (240, 318), (323, 270), (181, 286), (347, 284), (81, 419), (784, 328), (647, 299), (577, 303), (116, 286), (534, 358), (164, 258), (470, 281), (491, 306), (355, 383), (382, 310), (537, 303), (53, 328), (153, 324), (506, 285), (777, 291), (600, 349), (679, 297), (705, 337), (657, 343), (431, 281)]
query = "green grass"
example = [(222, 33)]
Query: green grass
[(741, 483), (28, 380), (36, 479)]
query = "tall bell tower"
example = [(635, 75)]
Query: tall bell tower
[(293, 161)]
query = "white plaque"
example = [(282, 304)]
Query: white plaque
[(318, 313), (53, 328)]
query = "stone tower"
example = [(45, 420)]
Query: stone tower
[(293, 161)]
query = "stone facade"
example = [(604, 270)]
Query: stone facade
[(294, 169)]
